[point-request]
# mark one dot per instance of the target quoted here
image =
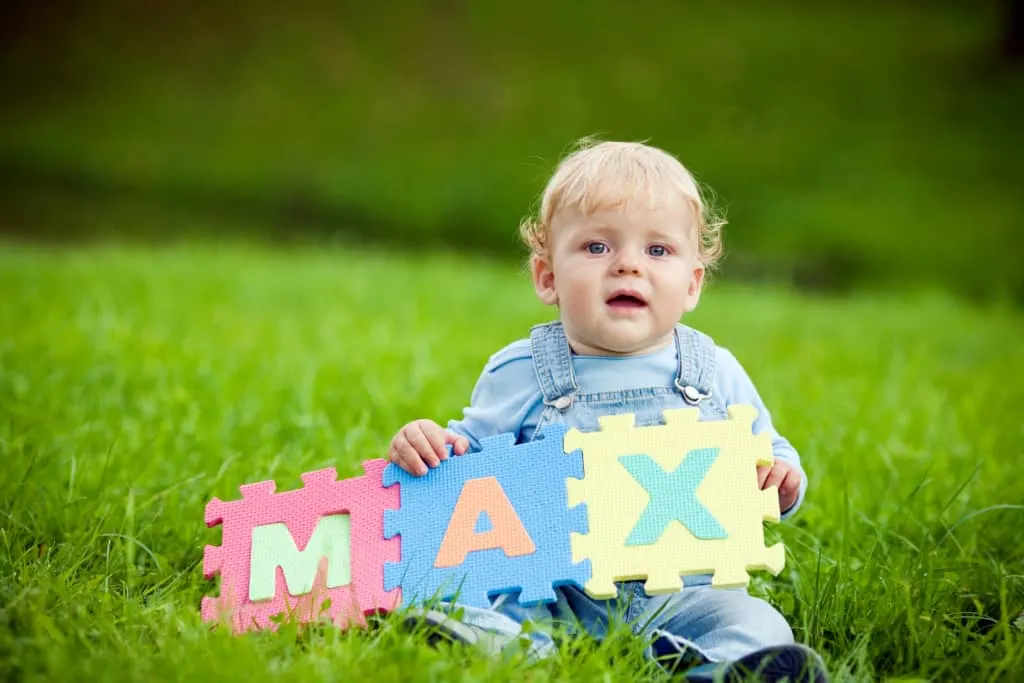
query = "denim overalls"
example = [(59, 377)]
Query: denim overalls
[(721, 624)]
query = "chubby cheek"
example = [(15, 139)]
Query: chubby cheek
[(575, 281), (578, 297), (674, 299)]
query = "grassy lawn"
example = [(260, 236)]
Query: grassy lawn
[(137, 383)]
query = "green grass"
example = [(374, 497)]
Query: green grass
[(871, 142), (137, 383)]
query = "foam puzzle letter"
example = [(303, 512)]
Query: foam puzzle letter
[(483, 496), (339, 524), (514, 514), (619, 492), (673, 496), (273, 547)]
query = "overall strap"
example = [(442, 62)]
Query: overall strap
[(552, 362), (695, 372)]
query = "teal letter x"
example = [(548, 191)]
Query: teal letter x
[(673, 496)]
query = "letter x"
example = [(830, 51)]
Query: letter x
[(673, 496)]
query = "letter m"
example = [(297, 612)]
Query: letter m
[(273, 547)]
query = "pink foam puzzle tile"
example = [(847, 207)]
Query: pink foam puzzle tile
[(288, 553)]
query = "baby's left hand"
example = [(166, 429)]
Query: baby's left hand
[(783, 475)]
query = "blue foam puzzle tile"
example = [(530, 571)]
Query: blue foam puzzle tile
[(533, 478)]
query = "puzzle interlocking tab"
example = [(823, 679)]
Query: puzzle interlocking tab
[(488, 522), (674, 499), (303, 571)]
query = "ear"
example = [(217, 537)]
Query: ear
[(695, 286), (543, 280)]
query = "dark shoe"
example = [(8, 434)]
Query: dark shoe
[(792, 663), (673, 653)]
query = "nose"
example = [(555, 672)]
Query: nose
[(626, 264)]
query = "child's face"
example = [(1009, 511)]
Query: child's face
[(622, 279)]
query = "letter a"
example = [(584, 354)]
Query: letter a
[(507, 532)]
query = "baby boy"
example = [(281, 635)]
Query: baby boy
[(621, 246)]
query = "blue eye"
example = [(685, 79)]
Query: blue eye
[(596, 248), (657, 250)]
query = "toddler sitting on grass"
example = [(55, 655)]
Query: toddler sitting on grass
[(621, 247)]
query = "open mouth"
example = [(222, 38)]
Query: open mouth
[(626, 300)]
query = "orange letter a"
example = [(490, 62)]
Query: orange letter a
[(507, 531)]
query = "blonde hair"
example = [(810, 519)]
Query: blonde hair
[(609, 175)]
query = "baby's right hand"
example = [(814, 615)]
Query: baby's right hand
[(421, 443)]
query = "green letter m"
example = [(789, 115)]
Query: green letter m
[(273, 547)]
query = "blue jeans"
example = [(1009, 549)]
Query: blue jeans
[(719, 624)]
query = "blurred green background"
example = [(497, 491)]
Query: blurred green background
[(863, 144)]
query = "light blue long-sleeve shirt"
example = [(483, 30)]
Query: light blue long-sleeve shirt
[(508, 398)]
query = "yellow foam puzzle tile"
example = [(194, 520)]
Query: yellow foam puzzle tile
[(674, 499)]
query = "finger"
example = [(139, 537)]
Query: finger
[(762, 474), (775, 477), (420, 444), (789, 489), (408, 459), (460, 444), (394, 457), (438, 439)]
